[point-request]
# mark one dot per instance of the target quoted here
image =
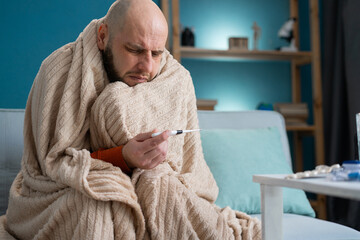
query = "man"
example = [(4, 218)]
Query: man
[(90, 168), (136, 60)]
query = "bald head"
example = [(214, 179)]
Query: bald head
[(136, 13), (132, 39)]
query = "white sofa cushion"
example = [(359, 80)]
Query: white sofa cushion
[(11, 148)]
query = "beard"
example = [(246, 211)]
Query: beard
[(108, 61)]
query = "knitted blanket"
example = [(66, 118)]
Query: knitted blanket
[(65, 194), (177, 196)]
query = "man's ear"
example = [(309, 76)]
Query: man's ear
[(102, 36)]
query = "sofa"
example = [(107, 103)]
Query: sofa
[(236, 146)]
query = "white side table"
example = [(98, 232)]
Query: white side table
[(272, 201)]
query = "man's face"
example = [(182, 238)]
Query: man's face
[(133, 55)]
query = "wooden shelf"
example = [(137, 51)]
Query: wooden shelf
[(305, 128), (300, 57)]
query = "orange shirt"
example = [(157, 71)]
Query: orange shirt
[(113, 156)]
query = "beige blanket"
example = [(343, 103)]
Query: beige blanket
[(62, 193)]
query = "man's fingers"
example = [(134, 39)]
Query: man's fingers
[(157, 152), (156, 156), (155, 159), (152, 159), (143, 136), (153, 142), (146, 152)]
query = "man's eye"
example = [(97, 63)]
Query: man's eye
[(156, 54), (133, 50)]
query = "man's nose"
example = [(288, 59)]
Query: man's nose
[(146, 64)]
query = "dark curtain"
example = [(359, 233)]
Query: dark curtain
[(341, 94)]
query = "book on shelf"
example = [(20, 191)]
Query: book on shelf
[(206, 104), (293, 113), (295, 122)]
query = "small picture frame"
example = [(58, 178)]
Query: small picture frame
[(238, 43)]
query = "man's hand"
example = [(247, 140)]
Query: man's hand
[(144, 151)]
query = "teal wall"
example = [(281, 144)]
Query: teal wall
[(215, 21), (241, 85), (31, 30)]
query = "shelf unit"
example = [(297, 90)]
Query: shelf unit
[(301, 57), (297, 59)]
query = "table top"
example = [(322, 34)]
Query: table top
[(344, 189)]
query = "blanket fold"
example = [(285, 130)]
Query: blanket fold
[(65, 194)]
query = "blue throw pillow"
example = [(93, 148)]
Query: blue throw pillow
[(235, 155)]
